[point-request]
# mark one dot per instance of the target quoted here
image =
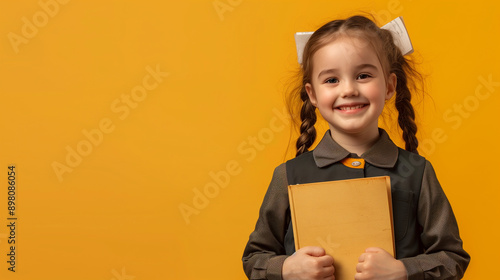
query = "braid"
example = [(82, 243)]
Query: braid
[(406, 114), (307, 130)]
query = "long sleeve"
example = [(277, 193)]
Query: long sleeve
[(444, 257), (265, 252)]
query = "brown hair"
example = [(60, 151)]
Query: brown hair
[(392, 61)]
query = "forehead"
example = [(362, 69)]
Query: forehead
[(345, 53)]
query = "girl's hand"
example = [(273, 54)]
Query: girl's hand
[(309, 263), (378, 264)]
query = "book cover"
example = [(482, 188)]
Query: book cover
[(344, 217)]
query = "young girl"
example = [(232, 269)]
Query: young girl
[(350, 69)]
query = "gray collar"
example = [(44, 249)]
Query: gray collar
[(384, 153)]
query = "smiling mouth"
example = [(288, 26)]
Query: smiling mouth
[(353, 107)]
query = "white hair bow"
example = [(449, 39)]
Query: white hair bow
[(396, 26)]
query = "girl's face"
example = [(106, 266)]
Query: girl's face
[(349, 87)]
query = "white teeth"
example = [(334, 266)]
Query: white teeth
[(351, 107)]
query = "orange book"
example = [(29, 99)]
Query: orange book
[(343, 217)]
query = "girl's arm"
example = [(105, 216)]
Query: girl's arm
[(444, 257), (265, 255), (265, 252)]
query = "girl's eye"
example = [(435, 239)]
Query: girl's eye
[(363, 76), (331, 81)]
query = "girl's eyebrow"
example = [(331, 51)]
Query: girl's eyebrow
[(327, 71), (334, 70), (366, 65)]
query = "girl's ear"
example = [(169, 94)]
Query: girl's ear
[(392, 82), (311, 94)]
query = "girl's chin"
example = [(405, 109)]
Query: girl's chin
[(354, 129)]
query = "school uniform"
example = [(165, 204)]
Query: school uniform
[(426, 232)]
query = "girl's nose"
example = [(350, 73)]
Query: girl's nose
[(348, 89)]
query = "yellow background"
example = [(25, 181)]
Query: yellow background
[(116, 215)]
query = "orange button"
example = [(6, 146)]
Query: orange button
[(358, 163)]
